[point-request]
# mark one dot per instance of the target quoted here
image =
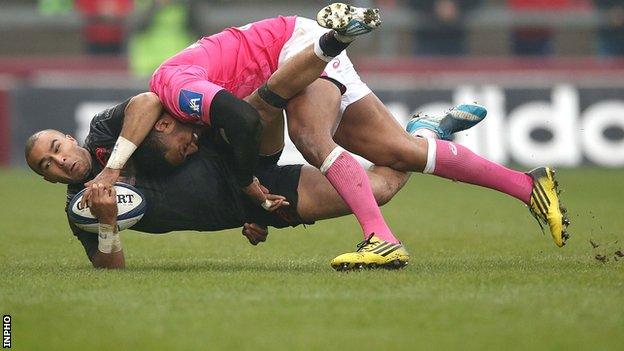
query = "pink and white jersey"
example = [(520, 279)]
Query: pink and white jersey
[(237, 59)]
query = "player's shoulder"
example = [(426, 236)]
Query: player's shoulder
[(105, 126), (110, 113)]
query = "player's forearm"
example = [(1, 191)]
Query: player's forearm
[(241, 124), (109, 253), (113, 260), (140, 115), (245, 151)]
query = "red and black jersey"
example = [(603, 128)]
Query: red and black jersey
[(202, 194)]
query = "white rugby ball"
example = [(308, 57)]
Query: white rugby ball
[(130, 207)]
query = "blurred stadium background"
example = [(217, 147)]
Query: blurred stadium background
[(550, 72), (481, 275)]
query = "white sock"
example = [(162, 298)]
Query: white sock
[(431, 156)]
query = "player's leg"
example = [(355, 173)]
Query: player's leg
[(312, 118), (299, 71), (289, 79), (380, 138), (302, 66), (319, 200), (389, 145), (368, 128)]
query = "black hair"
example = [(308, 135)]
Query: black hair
[(149, 157)]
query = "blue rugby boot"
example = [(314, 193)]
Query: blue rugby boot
[(348, 21), (460, 117)]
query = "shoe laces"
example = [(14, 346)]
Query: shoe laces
[(363, 245)]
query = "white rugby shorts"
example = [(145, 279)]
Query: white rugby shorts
[(341, 68)]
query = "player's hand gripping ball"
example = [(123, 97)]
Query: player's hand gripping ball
[(130, 209)]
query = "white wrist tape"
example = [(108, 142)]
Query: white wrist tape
[(108, 239), (122, 151), (267, 204), (116, 244)]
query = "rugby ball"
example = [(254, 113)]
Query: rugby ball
[(130, 207)]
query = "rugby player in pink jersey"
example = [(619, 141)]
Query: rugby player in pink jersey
[(200, 85)]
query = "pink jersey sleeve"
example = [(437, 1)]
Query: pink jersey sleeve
[(185, 92)]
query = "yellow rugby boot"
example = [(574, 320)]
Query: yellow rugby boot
[(372, 253), (545, 206)]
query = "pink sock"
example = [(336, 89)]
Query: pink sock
[(350, 180), (456, 162)]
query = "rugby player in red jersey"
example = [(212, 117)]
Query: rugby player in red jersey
[(201, 194)]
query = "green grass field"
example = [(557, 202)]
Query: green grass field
[(482, 276)]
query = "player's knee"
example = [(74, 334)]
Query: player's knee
[(383, 198), (386, 183), (384, 191)]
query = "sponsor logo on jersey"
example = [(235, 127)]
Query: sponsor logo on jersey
[(191, 103)]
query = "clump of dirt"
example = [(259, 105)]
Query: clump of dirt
[(605, 252)]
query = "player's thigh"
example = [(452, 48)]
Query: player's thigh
[(312, 118), (368, 129)]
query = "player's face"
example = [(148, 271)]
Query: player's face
[(179, 142), (59, 158)]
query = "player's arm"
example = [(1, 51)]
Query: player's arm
[(103, 205), (90, 242), (140, 115), (240, 124), (112, 260)]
